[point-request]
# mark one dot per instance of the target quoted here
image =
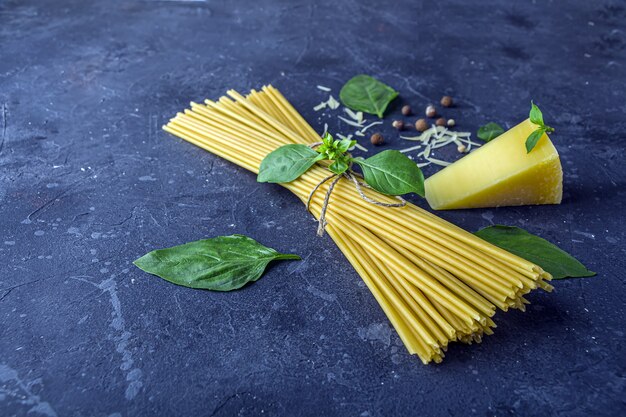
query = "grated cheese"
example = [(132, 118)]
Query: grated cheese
[(321, 87), (439, 162), (350, 122), (320, 106), (352, 114), (370, 125), (426, 152), (434, 138), (332, 103), (413, 148)]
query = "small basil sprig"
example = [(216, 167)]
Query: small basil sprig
[(223, 263), (389, 172), (536, 117), (335, 150)]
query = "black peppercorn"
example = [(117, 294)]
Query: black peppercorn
[(421, 125), (377, 139), (446, 101)]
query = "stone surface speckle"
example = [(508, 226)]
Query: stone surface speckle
[(89, 182)]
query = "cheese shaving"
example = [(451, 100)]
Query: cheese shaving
[(370, 125), (332, 103), (362, 148), (350, 122), (321, 87), (320, 106), (352, 114), (413, 148), (439, 162)]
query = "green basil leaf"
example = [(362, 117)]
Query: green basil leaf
[(535, 115), (533, 138), (223, 263), (536, 250), (367, 94), (327, 139), (345, 144), (489, 131), (393, 173), (339, 166), (287, 163)]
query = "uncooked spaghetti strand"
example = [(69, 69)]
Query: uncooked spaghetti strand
[(386, 230), (407, 335), (424, 351), (288, 118), (312, 136), (427, 283), (433, 321), (228, 115), (212, 134), (237, 107), (400, 303), (355, 199), (269, 119), (260, 100), (193, 138)]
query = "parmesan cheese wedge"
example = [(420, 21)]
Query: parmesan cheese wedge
[(500, 173)]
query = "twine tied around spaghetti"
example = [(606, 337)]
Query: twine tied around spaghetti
[(352, 176)]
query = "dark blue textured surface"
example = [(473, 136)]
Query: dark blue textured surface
[(89, 182)]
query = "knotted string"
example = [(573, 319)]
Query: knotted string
[(351, 176)]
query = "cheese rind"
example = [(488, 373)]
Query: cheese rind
[(500, 173)]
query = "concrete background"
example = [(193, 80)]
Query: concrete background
[(89, 182)]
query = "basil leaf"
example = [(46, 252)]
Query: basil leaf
[(535, 249), (367, 94), (327, 139), (223, 263), (533, 138), (535, 115), (287, 163), (393, 173), (489, 131), (345, 144), (339, 166)]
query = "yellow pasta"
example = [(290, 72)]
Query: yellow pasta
[(435, 282)]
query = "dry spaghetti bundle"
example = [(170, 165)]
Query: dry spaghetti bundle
[(435, 282)]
